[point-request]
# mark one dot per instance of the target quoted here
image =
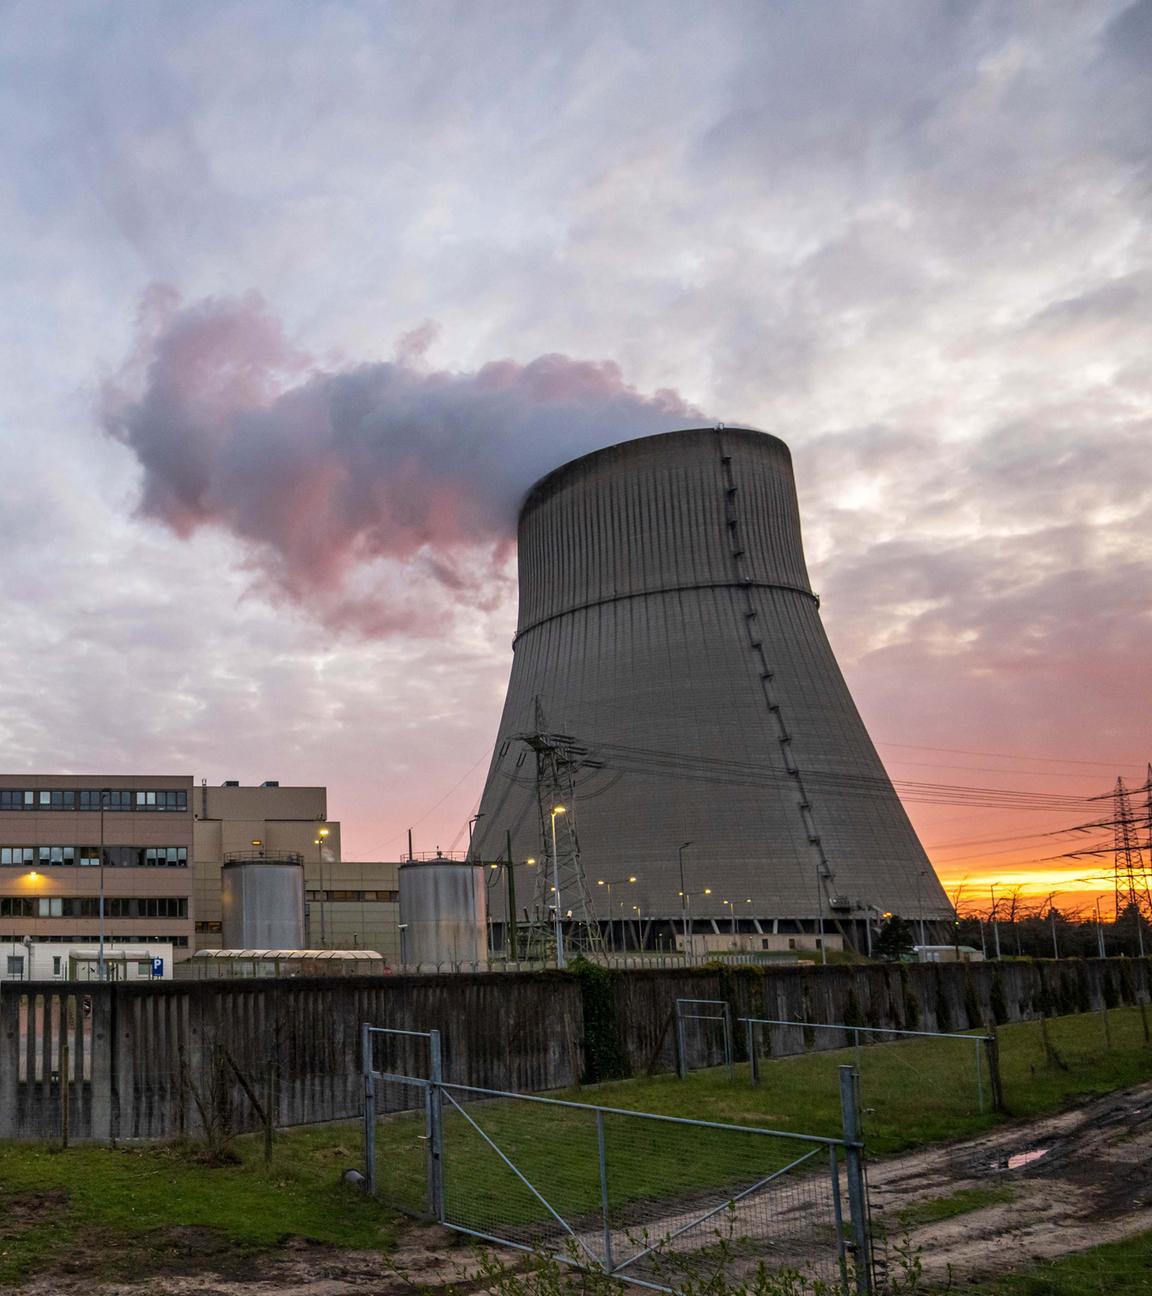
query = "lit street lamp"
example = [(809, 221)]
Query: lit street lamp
[(561, 961), (609, 883), (684, 899), (318, 842)]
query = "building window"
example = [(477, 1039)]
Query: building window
[(111, 799), (17, 855), (17, 907), (10, 799), (15, 965), (162, 800), (50, 907), (57, 964), (166, 857), (60, 799)]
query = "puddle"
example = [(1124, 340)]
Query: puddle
[(1020, 1159)]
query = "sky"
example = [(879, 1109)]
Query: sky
[(302, 296)]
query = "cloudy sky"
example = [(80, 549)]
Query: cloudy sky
[(910, 238)]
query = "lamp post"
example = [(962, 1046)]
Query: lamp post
[(920, 906), (820, 875), (101, 969), (639, 928), (1100, 929), (684, 899), (609, 883), (561, 961), (321, 834), (995, 918), (732, 911)]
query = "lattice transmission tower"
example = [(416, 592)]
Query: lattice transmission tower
[(1133, 895), (560, 881)]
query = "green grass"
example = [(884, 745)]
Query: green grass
[(915, 1092), (119, 1202), (1115, 1269), (961, 1202)]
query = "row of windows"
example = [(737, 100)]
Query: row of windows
[(180, 942), (92, 799), (89, 907), (326, 896), (114, 856), (16, 966)]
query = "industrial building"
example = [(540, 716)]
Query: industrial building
[(54, 832), (678, 749), (168, 846)]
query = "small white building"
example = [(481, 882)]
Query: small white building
[(32, 960), (947, 954)]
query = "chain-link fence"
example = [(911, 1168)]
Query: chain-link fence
[(655, 1200), (941, 1075)]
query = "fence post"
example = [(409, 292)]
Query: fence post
[(838, 1215), (992, 1046), (753, 1059), (979, 1079), (609, 1261), (62, 1063), (681, 1060), (857, 1193), (435, 1130), (369, 1110), (729, 1043)]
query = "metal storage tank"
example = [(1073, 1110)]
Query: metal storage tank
[(670, 642), (443, 913), (262, 901)]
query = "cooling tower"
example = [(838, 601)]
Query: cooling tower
[(668, 633)]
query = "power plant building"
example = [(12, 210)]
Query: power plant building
[(674, 690)]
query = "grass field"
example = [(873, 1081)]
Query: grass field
[(109, 1210), (105, 1208), (915, 1092), (1115, 1269)]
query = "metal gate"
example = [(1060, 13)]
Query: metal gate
[(654, 1200), (703, 1035)]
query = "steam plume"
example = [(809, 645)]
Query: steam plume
[(385, 491)]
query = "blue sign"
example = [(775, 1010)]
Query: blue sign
[(157, 967)]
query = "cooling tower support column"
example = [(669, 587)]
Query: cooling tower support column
[(669, 633)]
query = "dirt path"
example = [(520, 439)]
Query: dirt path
[(1092, 1184)]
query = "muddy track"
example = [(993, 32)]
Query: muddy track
[(1079, 1178)]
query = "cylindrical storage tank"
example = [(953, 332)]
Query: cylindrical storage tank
[(443, 913), (262, 902)]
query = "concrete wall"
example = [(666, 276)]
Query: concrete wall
[(144, 1057)]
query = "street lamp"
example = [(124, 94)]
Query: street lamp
[(561, 961), (684, 898), (609, 883), (920, 906), (318, 842), (995, 918), (101, 969), (732, 911)]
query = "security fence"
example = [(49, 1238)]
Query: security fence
[(703, 1035), (949, 1072), (654, 1200)]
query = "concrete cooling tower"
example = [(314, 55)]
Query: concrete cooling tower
[(674, 691)]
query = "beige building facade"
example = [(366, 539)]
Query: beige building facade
[(163, 840), (62, 835), (349, 904)]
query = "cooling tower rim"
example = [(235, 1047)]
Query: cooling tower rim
[(541, 486)]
